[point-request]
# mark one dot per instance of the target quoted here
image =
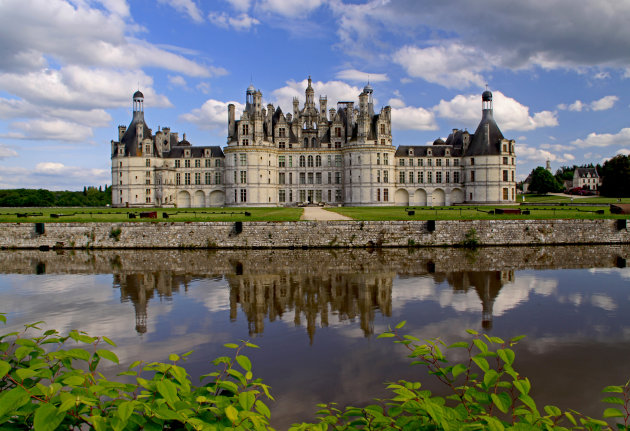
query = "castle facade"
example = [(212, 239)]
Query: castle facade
[(337, 156)]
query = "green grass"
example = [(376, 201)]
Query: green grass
[(113, 215), (473, 213), (531, 198)]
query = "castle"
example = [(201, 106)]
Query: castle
[(341, 156)]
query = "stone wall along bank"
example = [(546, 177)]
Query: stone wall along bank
[(312, 234)]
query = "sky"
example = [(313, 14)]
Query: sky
[(559, 71)]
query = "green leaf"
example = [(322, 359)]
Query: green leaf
[(47, 418), (502, 401), (168, 390), (79, 354), (528, 401), (231, 346), (553, 411), (506, 355), (106, 354), (516, 339), (173, 357), (108, 341), (262, 409), (12, 400), (4, 368), (125, 409), (386, 335), (246, 400), (613, 389), (612, 400), (458, 369), (3, 318), (231, 413), (490, 378), (472, 332), (401, 324), (74, 380), (481, 363), (612, 413), (570, 417), (458, 344), (244, 362), (25, 373), (481, 345)]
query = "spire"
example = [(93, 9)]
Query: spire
[(310, 93)]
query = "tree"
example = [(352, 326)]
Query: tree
[(616, 177), (544, 182)]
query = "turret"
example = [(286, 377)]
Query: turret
[(323, 101), (231, 120), (310, 95), (249, 98), (138, 106)]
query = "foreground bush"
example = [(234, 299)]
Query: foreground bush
[(48, 383)]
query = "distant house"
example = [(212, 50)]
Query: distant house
[(586, 178)]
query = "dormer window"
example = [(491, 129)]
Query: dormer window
[(411, 151), (448, 152), (429, 152), (187, 153)]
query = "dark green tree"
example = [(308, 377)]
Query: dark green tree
[(616, 177), (544, 182)]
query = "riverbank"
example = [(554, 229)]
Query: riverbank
[(312, 234)]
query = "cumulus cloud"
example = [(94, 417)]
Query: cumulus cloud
[(410, 118), (177, 80), (212, 115), (187, 7), (621, 138), (289, 8), (539, 155), (241, 22), (396, 102), (602, 104), (508, 112), (6, 152), (50, 130), (334, 90), (357, 75), (452, 65)]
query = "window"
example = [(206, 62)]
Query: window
[(235, 177), (504, 148), (411, 162), (505, 176), (302, 178), (378, 195), (338, 132), (217, 178), (411, 177), (282, 195), (281, 177), (310, 161), (177, 163), (429, 177), (338, 195), (472, 161), (337, 144), (429, 162), (438, 162), (148, 181), (338, 160), (305, 142), (329, 177), (197, 163), (243, 195), (329, 195), (456, 177), (208, 178), (401, 178), (382, 128), (281, 134), (420, 177), (178, 178), (318, 178), (290, 179), (187, 178), (505, 193), (455, 162), (243, 177), (318, 161), (310, 178), (378, 176), (378, 158), (385, 176), (448, 177), (512, 160), (147, 149), (209, 163), (290, 161), (513, 177), (243, 159), (401, 162), (448, 162), (281, 145), (245, 129), (420, 162), (313, 142), (281, 161), (505, 160), (472, 175), (382, 141), (438, 177), (337, 177), (148, 199), (318, 195), (187, 163), (148, 163), (385, 159), (197, 177), (302, 161), (245, 142), (385, 195)]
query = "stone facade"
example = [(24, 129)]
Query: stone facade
[(341, 156), (312, 234)]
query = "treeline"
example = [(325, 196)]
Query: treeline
[(89, 197)]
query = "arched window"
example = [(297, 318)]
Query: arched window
[(305, 142), (310, 161), (314, 143), (302, 161), (318, 161)]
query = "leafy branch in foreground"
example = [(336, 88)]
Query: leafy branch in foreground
[(484, 392), (48, 383)]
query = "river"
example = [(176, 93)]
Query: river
[(316, 314)]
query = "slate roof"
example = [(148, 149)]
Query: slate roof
[(586, 172), (422, 151), (130, 138), (486, 139), (195, 152)]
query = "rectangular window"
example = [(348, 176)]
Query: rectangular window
[(513, 176), (329, 195), (282, 195), (338, 160), (505, 176), (472, 175), (243, 195), (338, 195), (382, 129), (329, 160), (281, 134), (472, 161), (505, 160), (448, 177), (243, 177), (177, 163), (438, 177), (318, 178), (505, 194), (245, 129), (318, 195), (243, 159), (208, 163), (455, 162), (438, 162), (290, 177), (302, 195), (302, 178), (385, 176), (401, 178), (148, 181), (338, 132), (385, 195), (281, 178), (420, 177), (197, 177), (187, 163), (310, 178), (208, 178), (281, 161), (401, 162), (378, 195), (187, 178), (217, 178), (429, 177), (217, 163), (420, 162), (329, 177), (456, 176), (385, 159), (429, 162), (411, 162), (235, 177), (378, 158), (197, 163), (411, 177), (337, 177), (281, 145), (378, 176), (290, 161), (148, 163)]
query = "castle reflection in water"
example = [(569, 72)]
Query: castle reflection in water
[(313, 287)]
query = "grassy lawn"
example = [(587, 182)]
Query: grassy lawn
[(66, 215), (472, 213), (567, 199)]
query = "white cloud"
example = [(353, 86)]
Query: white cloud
[(395, 102), (241, 22), (410, 118), (557, 147), (6, 152), (509, 113), (357, 75), (187, 7), (240, 5), (602, 104), (290, 8), (453, 65), (334, 90), (177, 80), (50, 130), (539, 155), (212, 115), (605, 139)]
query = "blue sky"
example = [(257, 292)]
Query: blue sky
[(559, 71)]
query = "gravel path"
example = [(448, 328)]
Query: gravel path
[(318, 213)]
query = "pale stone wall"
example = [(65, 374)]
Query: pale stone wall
[(311, 234)]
